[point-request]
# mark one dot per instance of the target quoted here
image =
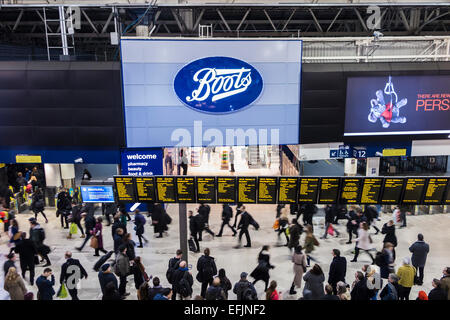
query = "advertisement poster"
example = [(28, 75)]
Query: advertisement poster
[(396, 105), (148, 162)]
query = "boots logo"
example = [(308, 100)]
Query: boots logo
[(218, 84)]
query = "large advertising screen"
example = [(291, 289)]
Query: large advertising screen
[(97, 194), (397, 105), (201, 92)]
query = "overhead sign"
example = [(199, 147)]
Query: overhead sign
[(186, 189), (144, 162), (371, 190), (26, 158), (145, 189), (392, 190), (414, 190), (218, 84), (435, 190), (287, 192), (206, 189), (308, 190), (397, 105), (267, 189), (246, 189), (350, 191), (329, 190), (226, 189), (96, 194), (125, 189), (166, 189)]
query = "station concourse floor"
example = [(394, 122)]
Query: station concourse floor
[(157, 252)]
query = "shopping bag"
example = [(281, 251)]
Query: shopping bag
[(62, 292), (94, 242), (73, 228), (287, 231), (330, 230), (276, 224)]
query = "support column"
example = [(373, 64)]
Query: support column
[(182, 217)]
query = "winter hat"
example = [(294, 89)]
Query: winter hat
[(105, 267)]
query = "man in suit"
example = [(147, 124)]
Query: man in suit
[(71, 273), (246, 220), (227, 214), (338, 269)]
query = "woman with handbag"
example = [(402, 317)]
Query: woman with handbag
[(363, 242), (299, 261), (97, 238)]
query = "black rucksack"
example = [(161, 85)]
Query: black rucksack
[(183, 286), (41, 235), (174, 263), (208, 269), (379, 257), (245, 292)]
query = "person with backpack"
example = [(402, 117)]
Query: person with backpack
[(244, 289), (225, 283), (139, 222), (261, 272), (227, 215), (390, 290), (122, 269), (207, 269), (37, 236), (183, 282), (195, 225), (38, 204), (419, 250), (106, 276), (204, 211), (174, 264), (215, 291)]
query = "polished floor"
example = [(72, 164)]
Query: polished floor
[(158, 251)]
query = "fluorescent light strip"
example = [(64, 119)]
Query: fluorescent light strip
[(395, 133)]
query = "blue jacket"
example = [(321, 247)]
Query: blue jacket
[(159, 296), (45, 287), (104, 278)]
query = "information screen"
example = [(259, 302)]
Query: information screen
[(414, 190), (145, 189), (435, 190), (287, 190), (97, 194), (206, 189), (371, 190), (329, 190), (226, 190), (308, 190), (267, 189), (246, 189), (351, 190), (166, 189), (392, 190), (447, 194), (125, 189), (186, 189)]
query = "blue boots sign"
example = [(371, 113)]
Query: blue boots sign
[(218, 84), (144, 162)]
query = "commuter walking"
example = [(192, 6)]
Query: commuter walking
[(158, 220), (110, 211), (118, 239), (310, 243), (98, 235), (363, 242), (9, 263), (27, 252), (225, 283), (295, 231), (284, 224), (299, 267), (389, 231), (227, 215), (261, 272), (419, 250), (122, 270), (14, 285), (130, 244), (37, 236), (215, 291), (338, 270), (360, 291), (64, 207), (309, 211), (70, 270), (89, 225), (195, 225), (244, 289), (45, 286), (139, 274), (106, 277), (238, 213), (207, 269), (406, 278), (385, 260), (204, 211), (371, 214), (329, 219), (314, 280), (76, 217), (183, 282), (404, 211), (353, 220), (38, 204), (271, 292), (139, 221)]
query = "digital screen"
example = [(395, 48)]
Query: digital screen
[(392, 190), (350, 190), (148, 162), (371, 190), (395, 105), (329, 190), (246, 189), (225, 85), (125, 189), (145, 189), (226, 190), (97, 194), (287, 190), (186, 189), (166, 189), (447, 195), (206, 189), (435, 190), (267, 189), (308, 190), (414, 189)]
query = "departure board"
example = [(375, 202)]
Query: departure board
[(166, 189), (414, 190), (186, 189), (371, 190), (435, 190), (125, 189), (392, 190), (287, 190), (145, 189), (246, 189), (308, 190), (226, 189), (350, 190), (267, 189), (329, 190), (206, 189), (447, 194)]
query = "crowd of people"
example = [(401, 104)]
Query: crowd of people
[(378, 280)]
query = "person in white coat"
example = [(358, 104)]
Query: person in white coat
[(363, 242)]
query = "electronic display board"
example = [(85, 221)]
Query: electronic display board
[(267, 189), (371, 190), (186, 189), (414, 190), (287, 190), (447, 194), (95, 194), (125, 189), (435, 190), (145, 189), (329, 190), (246, 189), (226, 189), (350, 190), (392, 190), (206, 189), (166, 189), (308, 190)]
